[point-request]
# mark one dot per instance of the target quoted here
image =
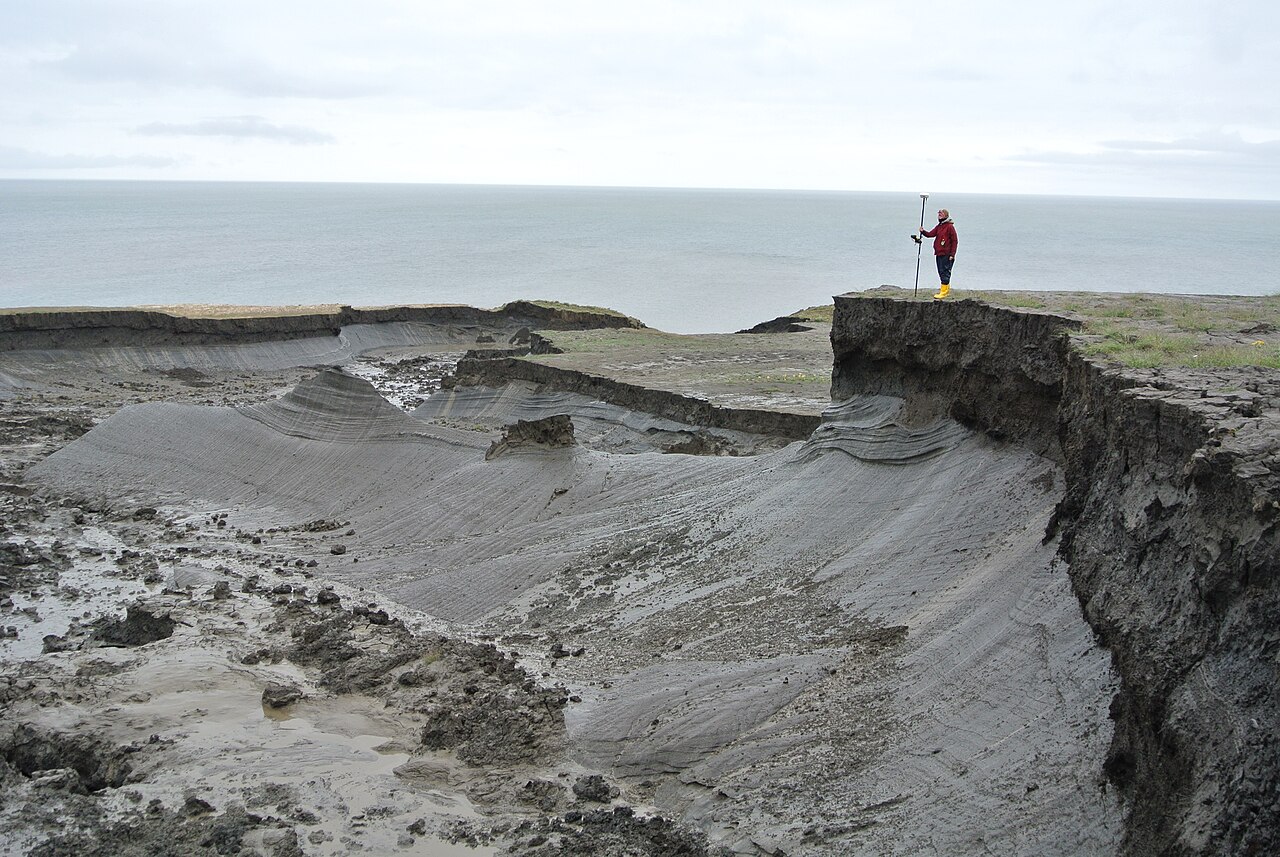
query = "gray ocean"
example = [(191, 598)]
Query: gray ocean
[(680, 260)]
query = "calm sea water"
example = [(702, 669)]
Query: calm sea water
[(680, 260)]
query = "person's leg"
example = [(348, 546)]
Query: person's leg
[(944, 276)]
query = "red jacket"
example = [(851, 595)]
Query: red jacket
[(944, 238)]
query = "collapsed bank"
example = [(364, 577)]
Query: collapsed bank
[(1168, 523)]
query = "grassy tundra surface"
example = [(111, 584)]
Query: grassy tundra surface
[(1148, 331)]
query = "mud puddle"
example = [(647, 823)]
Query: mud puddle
[(88, 588), (405, 382)]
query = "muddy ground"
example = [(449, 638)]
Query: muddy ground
[(175, 685)]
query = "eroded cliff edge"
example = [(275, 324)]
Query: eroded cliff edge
[(87, 328), (1169, 527)]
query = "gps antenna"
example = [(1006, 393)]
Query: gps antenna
[(919, 244)]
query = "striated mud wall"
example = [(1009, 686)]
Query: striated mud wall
[(1169, 527), (674, 406), (990, 369), (80, 328)]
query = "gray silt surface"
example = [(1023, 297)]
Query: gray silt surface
[(856, 644), (597, 424)]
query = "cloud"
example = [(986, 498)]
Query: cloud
[(1209, 166), (24, 159), (1216, 147), (132, 61), (1219, 143), (238, 127), (814, 92)]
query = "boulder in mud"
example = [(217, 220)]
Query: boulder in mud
[(594, 788), (546, 795), (67, 762), (472, 698), (139, 627), (278, 695), (59, 779)]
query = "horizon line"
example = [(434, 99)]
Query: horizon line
[(537, 186)]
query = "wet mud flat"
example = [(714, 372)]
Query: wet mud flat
[(240, 709), (259, 605)]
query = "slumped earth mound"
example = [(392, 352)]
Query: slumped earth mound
[(869, 641)]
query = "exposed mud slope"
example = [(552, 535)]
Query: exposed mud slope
[(1168, 522), (857, 644)]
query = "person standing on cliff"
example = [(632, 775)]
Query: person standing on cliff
[(944, 250)]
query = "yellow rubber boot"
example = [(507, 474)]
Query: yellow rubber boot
[(943, 292)]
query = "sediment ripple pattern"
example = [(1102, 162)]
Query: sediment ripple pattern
[(869, 428)]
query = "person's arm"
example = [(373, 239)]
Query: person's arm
[(955, 242), (929, 233)]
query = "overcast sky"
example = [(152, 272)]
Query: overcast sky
[(1110, 98)]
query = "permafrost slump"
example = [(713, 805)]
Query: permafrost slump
[(870, 641)]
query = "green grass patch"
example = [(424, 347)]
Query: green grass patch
[(1192, 318), (823, 314), (1236, 355), (1145, 306), (1161, 349)]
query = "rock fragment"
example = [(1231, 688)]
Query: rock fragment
[(139, 627), (278, 695), (593, 788)]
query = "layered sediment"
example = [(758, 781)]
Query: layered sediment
[(690, 410), (1168, 524), (996, 370)]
